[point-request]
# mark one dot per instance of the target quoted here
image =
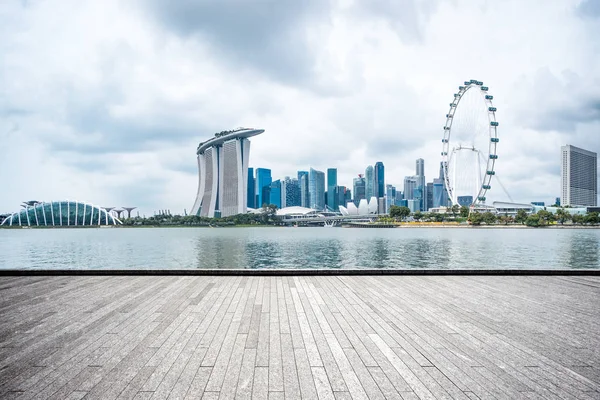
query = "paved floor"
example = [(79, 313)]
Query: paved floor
[(325, 337)]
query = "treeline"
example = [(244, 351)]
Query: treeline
[(456, 213), (265, 217)]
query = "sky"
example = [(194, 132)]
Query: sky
[(107, 101)]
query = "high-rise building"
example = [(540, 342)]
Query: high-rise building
[(369, 182), (410, 183), (341, 194), (579, 177), (251, 189), (223, 173), (421, 186), (263, 186), (438, 193), (359, 189), (292, 192), (316, 189), (303, 183), (444, 199), (379, 180), (275, 195), (429, 196), (390, 196), (348, 196), (332, 199)]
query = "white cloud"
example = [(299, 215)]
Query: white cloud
[(106, 102)]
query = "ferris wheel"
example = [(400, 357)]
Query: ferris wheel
[(469, 144)]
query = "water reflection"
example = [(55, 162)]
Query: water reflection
[(258, 248)]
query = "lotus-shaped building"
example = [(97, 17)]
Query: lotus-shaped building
[(364, 208)]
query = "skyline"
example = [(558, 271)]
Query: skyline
[(111, 116)]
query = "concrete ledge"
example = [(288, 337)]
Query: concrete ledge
[(298, 272)]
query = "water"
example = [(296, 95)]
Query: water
[(266, 247)]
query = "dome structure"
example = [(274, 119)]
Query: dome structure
[(61, 213), (295, 210), (364, 207)]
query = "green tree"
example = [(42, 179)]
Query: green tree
[(464, 211), (592, 218), (418, 215), (475, 218), (562, 216), (455, 209), (545, 217), (521, 217), (578, 219), (399, 212), (489, 218)]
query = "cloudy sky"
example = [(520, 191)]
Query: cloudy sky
[(106, 101)]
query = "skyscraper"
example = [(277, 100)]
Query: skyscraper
[(444, 198), (359, 189), (332, 199), (579, 177), (390, 196), (223, 173), (292, 192), (263, 186), (275, 195), (438, 199), (369, 182), (410, 183), (341, 193), (379, 180), (429, 196), (316, 189), (421, 186), (251, 189), (303, 183)]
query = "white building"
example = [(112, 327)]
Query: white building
[(223, 173), (579, 177)]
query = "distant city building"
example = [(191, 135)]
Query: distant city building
[(429, 196), (369, 182), (275, 193), (538, 203), (579, 177), (263, 186), (251, 189), (402, 203), (332, 198), (410, 183), (316, 189), (303, 182), (348, 196), (359, 189), (465, 200), (292, 193), (341, 195), (413, 205), (223, 173), (557, 201), (420, 177), (390, 196), (444, 198), (379, 179), (439, 193), (61, 213)]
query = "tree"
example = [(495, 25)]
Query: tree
[(489, 218), (578, 219), (592, 218), (545, 217), (455, 209), (533, 220), (418, 215), (521, 216), (562, 216), (464, 211), (399, 212), (475, 218)]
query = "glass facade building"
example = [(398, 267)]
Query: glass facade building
[(359, 189), (379, 179), (369, 182), (316, 189), (303, 182), (263, 186), (61, 213), (332, 198), (579, 177), (275, 194), (251, 189), (291, 189)]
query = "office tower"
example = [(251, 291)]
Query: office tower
[(251, 189), (379, 180), (557, 201), (316, 189), (413, 205), (263, 186), (465, 200), (410, 183), (341, 195), (292, 192), (223, 173), (429, 196), (359, 189), (390, 196), (420, 175), (332, 201), (275, 195), (303, 182), (369, 182), (399, 197), (579, 177), (438, 193), (348, 196), (444, 198)]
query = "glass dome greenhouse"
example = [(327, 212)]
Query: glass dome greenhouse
[(61, 213)]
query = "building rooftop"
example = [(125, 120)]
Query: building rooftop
[(223, 136)]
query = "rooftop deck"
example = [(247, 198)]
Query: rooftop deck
[(326, 337)]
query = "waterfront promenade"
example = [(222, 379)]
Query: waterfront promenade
[(325, 337)]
